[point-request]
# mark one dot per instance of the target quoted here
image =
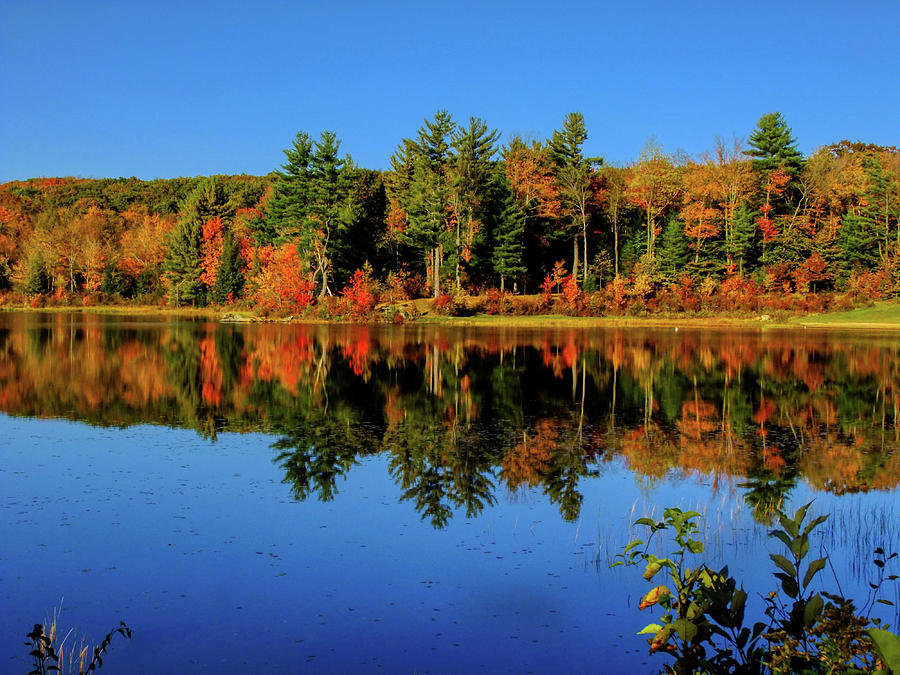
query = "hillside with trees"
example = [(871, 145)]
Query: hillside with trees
[(529, 226)]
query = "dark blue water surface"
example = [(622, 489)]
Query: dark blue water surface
[(192, 533)]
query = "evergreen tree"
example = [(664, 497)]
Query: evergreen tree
[(773, 147), (37, 281), (229, 276), (673, 249), (314, 203), (290, 195), (183, 260), (471, 174), (881, 210), (743, 237), (573, 177), (422, 189), (509, 245), (859, 243), (332, 208)]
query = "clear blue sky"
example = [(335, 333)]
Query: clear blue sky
[(161, 89)]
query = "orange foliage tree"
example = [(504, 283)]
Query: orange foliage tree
[(281, 283), (655, 186), (211, 250)]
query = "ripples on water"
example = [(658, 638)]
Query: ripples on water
[(418, 498)]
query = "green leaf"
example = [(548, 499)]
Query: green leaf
[(784, 564), (652, 568), (814, 568), (631, 545), (888, 646), (686, 629), (812, 610), (788, 584), (695, 546), (789, 525), (801, 513), (815, 522), (738, 600), (693, 611), (885, 602), (778, 534), (650, 628), (645, 521), (800, 546)]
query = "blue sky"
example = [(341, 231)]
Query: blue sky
[(164, 89)]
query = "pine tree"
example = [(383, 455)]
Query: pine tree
[(314, 203), (331, 210), (743, 237), (285, 209), (421, 188), (471, 168), (773, 147), (673, 250), (881, 211), (183, 259), (229, 277), (509, 244), (37, 281), (573, 177)]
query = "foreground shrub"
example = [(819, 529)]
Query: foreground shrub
[(703, 622), (51, 655), (359, 295)]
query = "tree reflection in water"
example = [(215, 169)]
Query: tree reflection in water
[(465, 414)]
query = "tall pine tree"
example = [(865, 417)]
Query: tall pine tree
[(573, 178), (509, 239), (421, 187)]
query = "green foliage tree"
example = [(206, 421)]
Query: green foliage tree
[(773, 147), (421, 185), (315, 203), (673, 249), (37, 281), (740, 244), (285, 209), (183, 260), (230, 274), (509, 241), (471, 174), (573, 177), (881, 208)]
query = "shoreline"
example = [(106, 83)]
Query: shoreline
[(866, 318)]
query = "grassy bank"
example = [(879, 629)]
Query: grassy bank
[(879, 315)]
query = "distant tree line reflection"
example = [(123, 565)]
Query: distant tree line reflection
[(465, 414)]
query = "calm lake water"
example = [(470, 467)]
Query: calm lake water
[(284, 498)]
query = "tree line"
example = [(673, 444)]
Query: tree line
[(458, 213)]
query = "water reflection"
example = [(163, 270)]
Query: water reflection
[(463, 415)]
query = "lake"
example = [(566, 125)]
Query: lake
[(283, 497)]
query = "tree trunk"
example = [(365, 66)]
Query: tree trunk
[(616, 245), (584, 235), (436, 271), (575, 259)]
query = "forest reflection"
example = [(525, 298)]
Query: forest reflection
[(465, 414)]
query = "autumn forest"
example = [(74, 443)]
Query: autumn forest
[(529, 226)]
